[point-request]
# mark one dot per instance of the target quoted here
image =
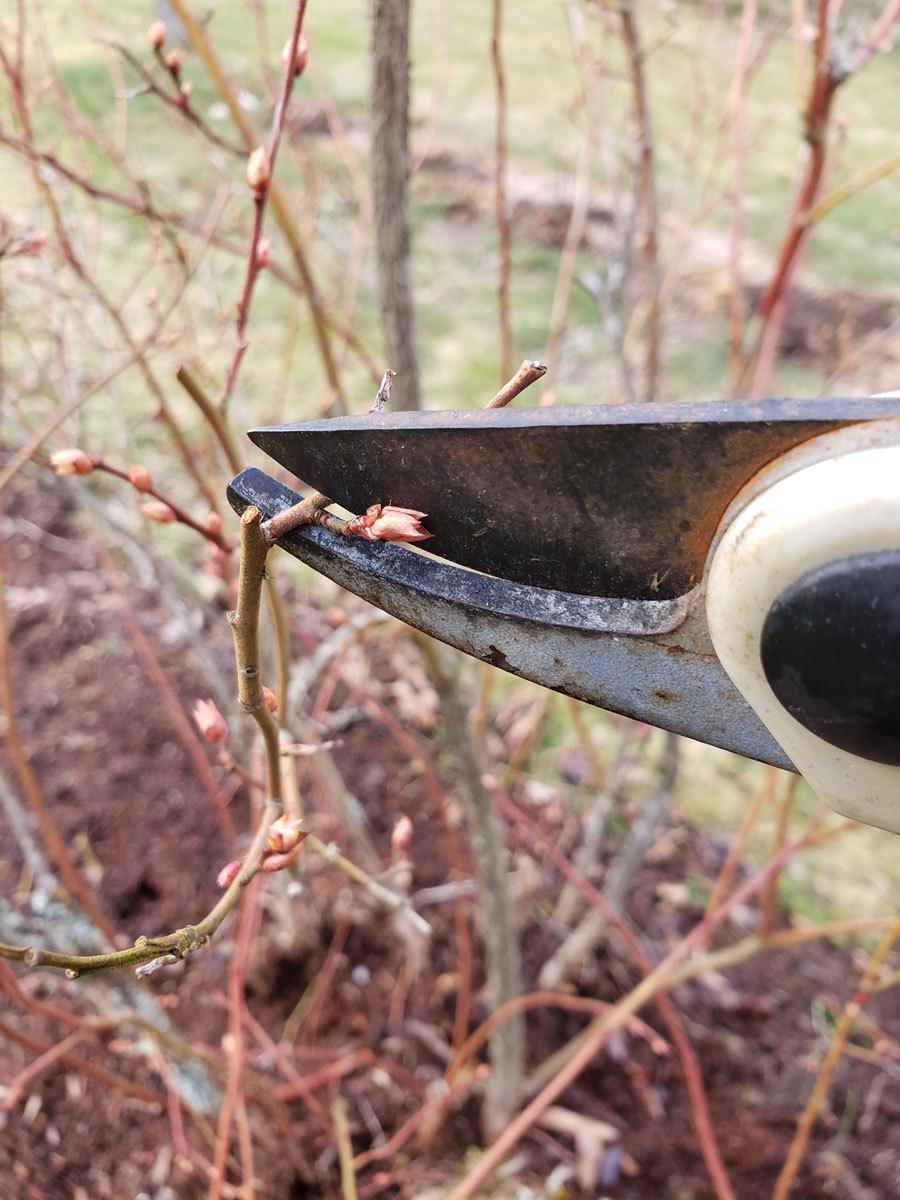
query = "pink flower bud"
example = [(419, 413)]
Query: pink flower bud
[(71, 462), (270, 699), (284, 835), (184, 92), (174, 60), (158, 511), (214, 523), (301, 58), (263, 253), (228, 875), (209, 721), (402, 835), (140, 477), (388, 523), (259, 171), (156, 35)]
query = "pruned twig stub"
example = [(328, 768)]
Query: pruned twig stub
[(529, 372)]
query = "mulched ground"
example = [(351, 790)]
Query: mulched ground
[(127, 797)]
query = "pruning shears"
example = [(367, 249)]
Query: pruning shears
[(728, 571)]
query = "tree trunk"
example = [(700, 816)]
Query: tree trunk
[(390, 190)]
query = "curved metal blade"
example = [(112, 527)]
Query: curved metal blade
[(612, 500), (651, 660)]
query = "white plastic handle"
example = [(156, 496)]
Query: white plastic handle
[(841, 507)]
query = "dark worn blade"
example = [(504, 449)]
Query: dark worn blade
[(612, 500)]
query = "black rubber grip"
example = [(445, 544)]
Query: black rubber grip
[(831, 652)]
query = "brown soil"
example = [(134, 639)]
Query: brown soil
[(111, 766)]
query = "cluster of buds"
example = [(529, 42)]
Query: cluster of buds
[(72, 461), (285, 837), (388, 523), (173, 62)]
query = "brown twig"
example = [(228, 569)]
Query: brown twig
[(389, 105), (303, 512), (344, 1148), (217, 421), (646, 190), (529, 372)]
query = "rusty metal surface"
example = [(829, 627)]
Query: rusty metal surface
[(600, 652), (614, 500)]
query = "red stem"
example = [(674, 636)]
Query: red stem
[(259, 207), (184, 518)]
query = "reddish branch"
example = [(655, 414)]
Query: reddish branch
[(281, 209), (213, 535), (828, 73), (260, 182)]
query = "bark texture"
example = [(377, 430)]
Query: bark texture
[(390, 194)]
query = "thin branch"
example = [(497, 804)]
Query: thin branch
[(737, 103), (344, 1148), (646, 186), (180, 102), (181, 516), (302, 513), (217, 422), (281, 208), (529, 372), (261, 192)]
